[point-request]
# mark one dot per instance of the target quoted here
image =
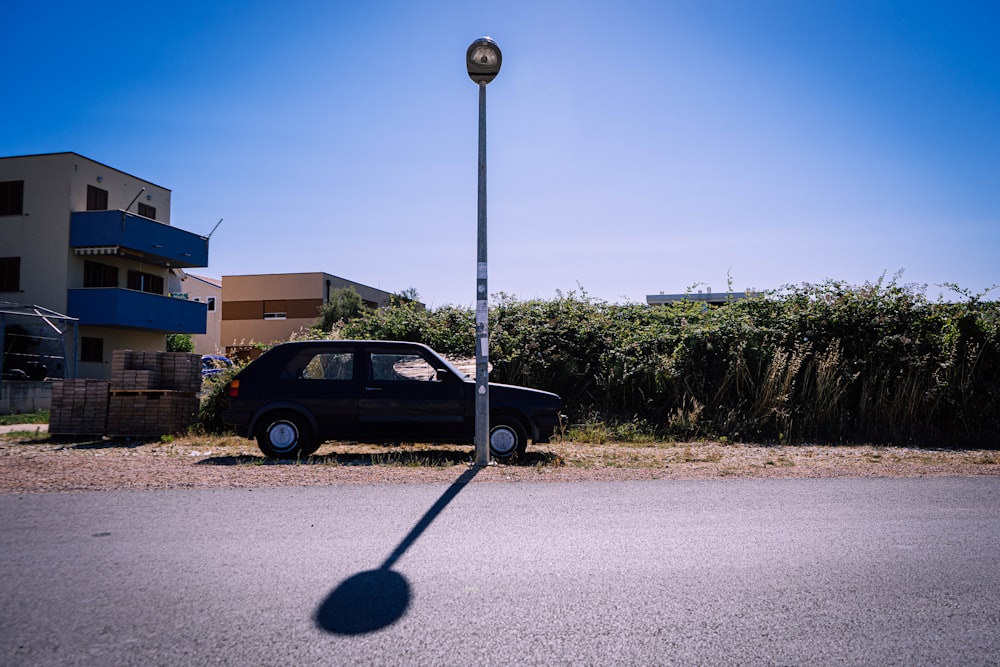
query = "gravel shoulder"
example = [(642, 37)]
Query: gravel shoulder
[(32, 462)]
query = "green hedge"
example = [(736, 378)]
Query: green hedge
[(826, 363)]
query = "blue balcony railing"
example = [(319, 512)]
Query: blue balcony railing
[(117, 307), (153, 242)]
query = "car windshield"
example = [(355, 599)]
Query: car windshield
[(441, 362), (409, 364)]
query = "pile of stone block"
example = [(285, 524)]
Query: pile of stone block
[(150, 413), (150, 394), (79, 407), (153, 393), (157, 371)]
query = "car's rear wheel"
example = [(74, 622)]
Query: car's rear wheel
[(285, 435), (508, 438)]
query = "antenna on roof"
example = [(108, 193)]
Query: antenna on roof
[(137, 195), (214, 228)]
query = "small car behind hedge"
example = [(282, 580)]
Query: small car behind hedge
[(298, 395)]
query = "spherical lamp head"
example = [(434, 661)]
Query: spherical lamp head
[(483, 60)]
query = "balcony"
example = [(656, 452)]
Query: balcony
[(117, 307), (118, 232)]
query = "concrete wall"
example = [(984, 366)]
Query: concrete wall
[(21, 397), (45, 217), (117, 339)]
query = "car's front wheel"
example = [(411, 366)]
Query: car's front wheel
[(508, 438), (285, 435)]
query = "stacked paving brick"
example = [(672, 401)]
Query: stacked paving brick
[(153, 393), (78, 407), (135, 371), (150, 394), (150, 413), (180, 371)]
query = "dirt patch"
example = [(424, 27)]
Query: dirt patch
[(33, 462)]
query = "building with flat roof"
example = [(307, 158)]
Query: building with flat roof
[(270, 308), (95, 243), (706, 297)]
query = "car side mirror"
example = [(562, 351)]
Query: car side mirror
[(443, 375)]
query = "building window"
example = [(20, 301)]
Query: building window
[(211, 303), (147, 211), (12, 198), (276, 309), (97, 199), (145, 282), (91, 349), (10, 274), (96, 274)]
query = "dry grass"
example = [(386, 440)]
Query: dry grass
[(34, 462)]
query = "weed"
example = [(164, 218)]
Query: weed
[(39, 417), (595, 433), (709, 456)]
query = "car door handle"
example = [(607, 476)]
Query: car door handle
[(373, 388)]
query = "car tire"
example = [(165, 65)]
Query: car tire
[(508, 438), (285, 435)]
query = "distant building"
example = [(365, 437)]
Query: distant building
[(707, 297), (269, 308), (81, 238), (209, 292)]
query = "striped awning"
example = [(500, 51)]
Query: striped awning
[(97, 250)]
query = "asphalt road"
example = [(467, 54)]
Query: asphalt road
[(845, 571)]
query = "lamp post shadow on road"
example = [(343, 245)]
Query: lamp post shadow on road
[(375, 599)]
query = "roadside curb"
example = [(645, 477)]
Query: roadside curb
[(31, 428)]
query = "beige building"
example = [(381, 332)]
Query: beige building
[(84, 239), (209, 292), (265, 309)]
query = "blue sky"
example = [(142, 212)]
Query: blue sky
[(634, 147)]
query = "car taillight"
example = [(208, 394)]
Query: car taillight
[(234, 388)]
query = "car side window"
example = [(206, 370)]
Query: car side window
[(394, 367), (325, 366)]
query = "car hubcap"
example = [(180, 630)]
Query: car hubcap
[(283, 436), (503, 441)]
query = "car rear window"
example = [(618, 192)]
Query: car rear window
[(321, 366)]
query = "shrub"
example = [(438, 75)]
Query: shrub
[(177, 342), (344, 304), (829, 362), (213, 400)]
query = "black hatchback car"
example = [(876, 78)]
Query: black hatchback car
[(297, 395)]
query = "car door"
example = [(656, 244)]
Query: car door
[(323, 380), (404, 397)]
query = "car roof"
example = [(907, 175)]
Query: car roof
[(344, 343)]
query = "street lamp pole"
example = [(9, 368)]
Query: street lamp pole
[(482, 60)]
